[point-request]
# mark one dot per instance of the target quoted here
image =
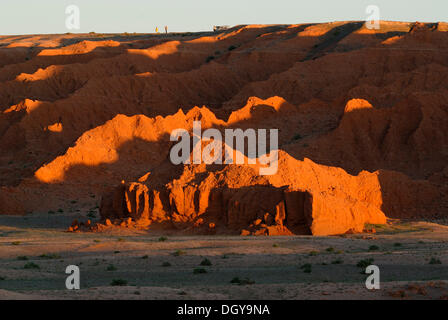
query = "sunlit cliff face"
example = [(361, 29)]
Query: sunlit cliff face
[(361, 117)]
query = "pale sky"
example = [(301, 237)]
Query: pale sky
[(116, 16)]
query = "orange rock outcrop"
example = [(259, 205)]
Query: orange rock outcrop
[(362, 118)]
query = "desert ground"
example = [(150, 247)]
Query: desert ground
[(86, 176), (412, 256)]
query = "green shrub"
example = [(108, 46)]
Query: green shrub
[(111, 267), (50, 256), (337, 261), (31, 265), (118, 282), (435, 261), (364, 263), (307, 268), (91, 214), (242, 282), (178, 253), (199, 270), (206, 262)]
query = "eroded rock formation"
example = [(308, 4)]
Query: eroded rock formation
[(362, 117)]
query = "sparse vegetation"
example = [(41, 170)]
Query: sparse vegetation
[(145, 256), (118, 282), (111, 267), (365, 263), (31, 265), (313, 253), (242, 282), (199, 270), (166, 264), (330, 249), (162, 239), (178, 253), (50, 256), (206, 262), (337, 261), (307, 268), (374, 248), (16, 243), (91, 214), (435, 261), (22, 258)]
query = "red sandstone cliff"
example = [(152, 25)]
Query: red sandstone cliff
[(362, 118)]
